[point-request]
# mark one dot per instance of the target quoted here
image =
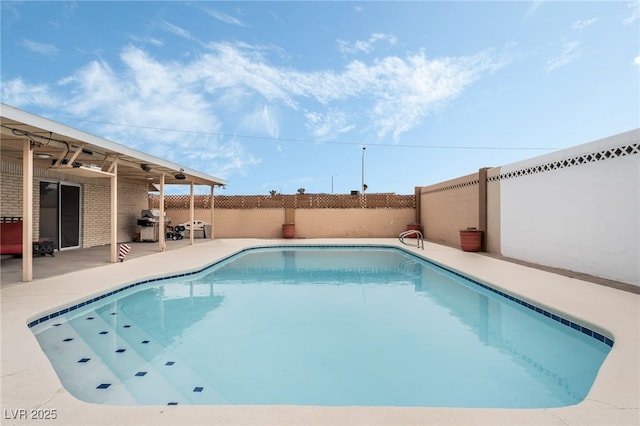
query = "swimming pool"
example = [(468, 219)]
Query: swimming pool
[(321, 326)]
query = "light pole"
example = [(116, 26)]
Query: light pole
[(363, 187)]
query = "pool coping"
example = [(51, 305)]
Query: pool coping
[(29, 382)]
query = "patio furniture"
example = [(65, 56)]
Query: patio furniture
[(11, 237), (200, 229), (43, 248)]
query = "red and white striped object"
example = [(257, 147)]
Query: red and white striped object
[(124, 250)]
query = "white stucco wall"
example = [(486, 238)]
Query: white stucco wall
[(583, 217)]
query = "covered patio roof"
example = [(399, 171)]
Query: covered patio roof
[(63, 148), (38, 142)]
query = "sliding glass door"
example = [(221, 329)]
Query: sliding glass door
[(60, 205), (69, 216), (49, 199)]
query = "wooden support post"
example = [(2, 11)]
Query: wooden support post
[(211, 205), (482, 204), (162, 232), (417, 190), (27, 212), (114, 212), (191, 215)]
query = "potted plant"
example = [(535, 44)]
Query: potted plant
[(289, 230), (413, 227), (471, 239)]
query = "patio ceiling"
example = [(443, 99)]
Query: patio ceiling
[(68, 150)]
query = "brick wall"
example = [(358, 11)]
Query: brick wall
[(449, 206), (97, 206), (10, 189), (132, 199), (96, 202)]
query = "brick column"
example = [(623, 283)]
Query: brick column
[(482, 204)]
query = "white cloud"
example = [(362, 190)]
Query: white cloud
[(18, 93), (388, 96), (152, 79), (581, 24), (568, 55), (365, 46), (635, 13), (636, 60), (329, 124), (10, 13), (41, 48), (231, 66), (532, 9), (148, 40), (262, 121), (176, 30), (94, 87), (223, 17), (402, 91), (220, 159), (149, 99), (405, 90), (69, 9)]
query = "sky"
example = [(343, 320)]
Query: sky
[(327, 95)]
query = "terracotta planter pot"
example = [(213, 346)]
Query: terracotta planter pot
[(413, 227), (289, 230), (470, 240)]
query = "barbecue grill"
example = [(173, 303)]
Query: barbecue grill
[(149, 225)]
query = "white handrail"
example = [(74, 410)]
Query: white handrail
[(418, 235)]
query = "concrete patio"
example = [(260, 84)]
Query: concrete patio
[(67, 261)]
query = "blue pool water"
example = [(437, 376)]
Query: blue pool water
[(321, 326)]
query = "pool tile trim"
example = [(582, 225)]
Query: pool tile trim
[(564, 321)]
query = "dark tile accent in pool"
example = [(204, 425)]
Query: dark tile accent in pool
[(68, 339), (103, 385), (169, 363), (536, 309), (172, 403), (144, 342), (598, 336), (84, 360), (104, 332), (563, 321), (141, 373), (198, 389), (120, 350)]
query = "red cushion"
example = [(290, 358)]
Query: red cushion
[(11, 238), (11, 248)]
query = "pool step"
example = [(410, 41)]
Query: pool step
[(80, 369), (189, 383), (103, 368), (145, 381)]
